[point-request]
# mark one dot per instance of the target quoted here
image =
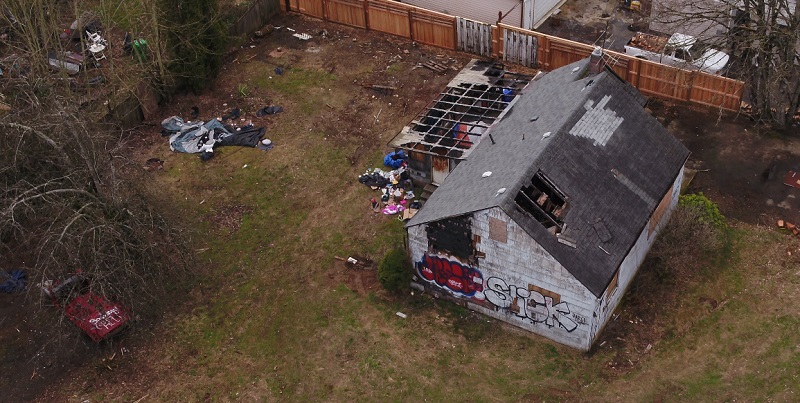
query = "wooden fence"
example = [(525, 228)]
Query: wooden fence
[(520, 46), (256, 16)]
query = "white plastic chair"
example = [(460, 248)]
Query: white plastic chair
[(96, 38)]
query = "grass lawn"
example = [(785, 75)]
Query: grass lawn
[(273, 316)]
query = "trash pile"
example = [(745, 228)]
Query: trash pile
[(397, 189), (202, 137)]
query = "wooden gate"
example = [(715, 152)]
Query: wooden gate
[(474, 37), (520, 48)]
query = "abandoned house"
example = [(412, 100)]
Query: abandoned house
[(545, 226), (527, 14), (452, 125)]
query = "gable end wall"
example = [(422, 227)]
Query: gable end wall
[(515, 281)]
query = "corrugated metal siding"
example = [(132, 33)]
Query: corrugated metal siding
[(483, 11)]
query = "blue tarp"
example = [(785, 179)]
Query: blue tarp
[(394, 159)]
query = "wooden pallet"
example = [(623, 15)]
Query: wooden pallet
[(437, 67)]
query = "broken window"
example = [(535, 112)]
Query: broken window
[(542, 200), (452, 236)]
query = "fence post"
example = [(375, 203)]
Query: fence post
[(324, 10), (411, 23), (497, 40), (455, 33)]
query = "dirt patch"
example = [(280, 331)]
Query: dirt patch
[(229, 217), (742, 165)]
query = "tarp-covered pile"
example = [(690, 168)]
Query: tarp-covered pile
[(200, 137)]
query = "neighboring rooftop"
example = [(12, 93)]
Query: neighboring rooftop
[(576, 155), (455, 121)]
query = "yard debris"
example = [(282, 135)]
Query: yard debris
[(792, 179), (302, 37), (277, 52), (383, 89), (402, 315), (153, 164), (437, 67), (356, 261), (269, 110), (15, 281)]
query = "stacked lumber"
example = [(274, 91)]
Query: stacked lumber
[(649, 42)]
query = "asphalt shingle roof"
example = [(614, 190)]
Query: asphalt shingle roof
[(593, 139)]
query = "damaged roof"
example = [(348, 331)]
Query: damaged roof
[(591, 137), (453, 123)]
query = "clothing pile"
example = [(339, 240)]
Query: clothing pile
[(201, 137), (397, 190)]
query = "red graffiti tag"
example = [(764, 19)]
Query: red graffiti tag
[(451, 275)]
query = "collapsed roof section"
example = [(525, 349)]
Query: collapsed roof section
[(452, 124)]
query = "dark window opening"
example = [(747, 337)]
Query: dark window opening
[(542, 200), (452, 236)]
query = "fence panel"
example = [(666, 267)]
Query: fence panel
[(311, 7), (520, 48), (294, 5), (433, 28), (390, 17), (347, 12), (717, 91), (474, 37), (256, 16)]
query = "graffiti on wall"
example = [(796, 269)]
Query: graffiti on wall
[(454, 276), (531, 305)]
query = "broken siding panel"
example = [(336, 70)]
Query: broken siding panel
[(483, 11), (605, 305)]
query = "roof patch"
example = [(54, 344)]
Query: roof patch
[(634, 188), (598, 123)]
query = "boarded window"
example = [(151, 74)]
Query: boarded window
[(659, 213), (452, 236), (498, 230), (612, 286), (546, 293)]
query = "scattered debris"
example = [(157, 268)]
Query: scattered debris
[(792, 179), (302, 37), (356, 262), (437, 67), (402, 315), (154, 164), (269, 110), (383, 89), (15, 281), (277, 52)]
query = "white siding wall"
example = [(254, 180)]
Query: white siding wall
[(483, 11), (521, 283), (630, 266)]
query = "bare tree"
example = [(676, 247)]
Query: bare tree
[(70, 198), (763, 37)]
